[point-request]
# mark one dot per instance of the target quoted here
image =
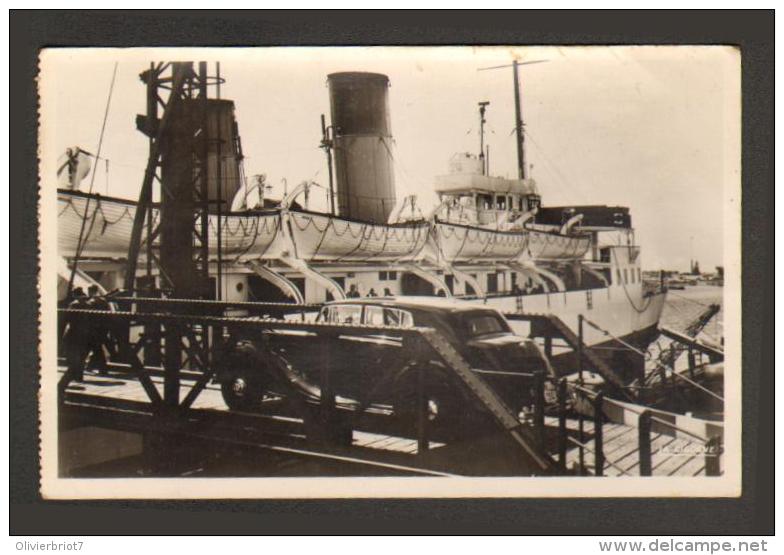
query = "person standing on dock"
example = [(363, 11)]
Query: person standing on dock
[(76, 337), (98, 335)]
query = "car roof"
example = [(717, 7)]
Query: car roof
[(429, 304)]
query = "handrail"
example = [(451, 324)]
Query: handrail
[(609, 400), (503, 373), (251, 322), (695, 384), (679, 429), (579, 443), (584, 390), (646, 419), (626, 406), (165, 301)]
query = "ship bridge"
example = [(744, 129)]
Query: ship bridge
[(488, 199)]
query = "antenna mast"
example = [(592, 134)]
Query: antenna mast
[(482, 108), (521, 173), (326, 144), (519, 124)]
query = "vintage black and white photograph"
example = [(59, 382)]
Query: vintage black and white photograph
[(390, 272)]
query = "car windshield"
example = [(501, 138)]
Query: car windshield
[(384, 316), (483, 323), (341, 314)]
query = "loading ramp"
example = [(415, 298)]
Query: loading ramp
[(169, 400), (556, 327)]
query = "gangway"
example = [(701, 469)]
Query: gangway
[(682, 339), (488, 398), (714, 353)]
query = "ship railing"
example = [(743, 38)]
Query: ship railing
[(523, 293), (648, 422), (591, 406)]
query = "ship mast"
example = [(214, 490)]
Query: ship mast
[(521, 173), (519, 124), (482, 121)]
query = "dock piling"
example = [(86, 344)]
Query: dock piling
[(713, 456), (562, 438), (644, 427), (598, 438), (423, 443), (539, 408)]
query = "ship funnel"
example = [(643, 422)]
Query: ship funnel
[(362, 145)]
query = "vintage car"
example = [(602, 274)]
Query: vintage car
[(370, 366)]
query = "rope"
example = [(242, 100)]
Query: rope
[(554, 167), (647, 303), (618, 339), (695, 384), (357, 246), (79, 246), (665, 367), (321, 241), (645, 355)]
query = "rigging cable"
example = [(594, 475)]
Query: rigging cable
[(79, 245), (554, 167), (637, 309), (645, 355)]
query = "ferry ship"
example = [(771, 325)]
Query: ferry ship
[(490, 240)]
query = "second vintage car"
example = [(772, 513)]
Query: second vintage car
[(371, 367)]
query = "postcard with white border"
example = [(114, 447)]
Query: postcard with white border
[(356, 272)]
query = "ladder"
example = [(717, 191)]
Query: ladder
[(523, 436)]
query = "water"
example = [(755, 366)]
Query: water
[(680, 310), (683, 306)]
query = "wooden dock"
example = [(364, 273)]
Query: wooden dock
[(374, 440), (117, 401), (670, 456)]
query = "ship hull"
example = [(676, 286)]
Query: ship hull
[(614, 318), (619, 310), (629, 365)]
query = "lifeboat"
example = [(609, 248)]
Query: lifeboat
[(462, 243), (109, 221), (323, 237), (543, 246)]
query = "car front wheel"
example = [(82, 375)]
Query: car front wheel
[(242, 380), (444, 406)]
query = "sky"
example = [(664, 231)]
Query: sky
[(652, 128)]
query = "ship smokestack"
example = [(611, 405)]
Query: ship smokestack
[(362, 145)]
